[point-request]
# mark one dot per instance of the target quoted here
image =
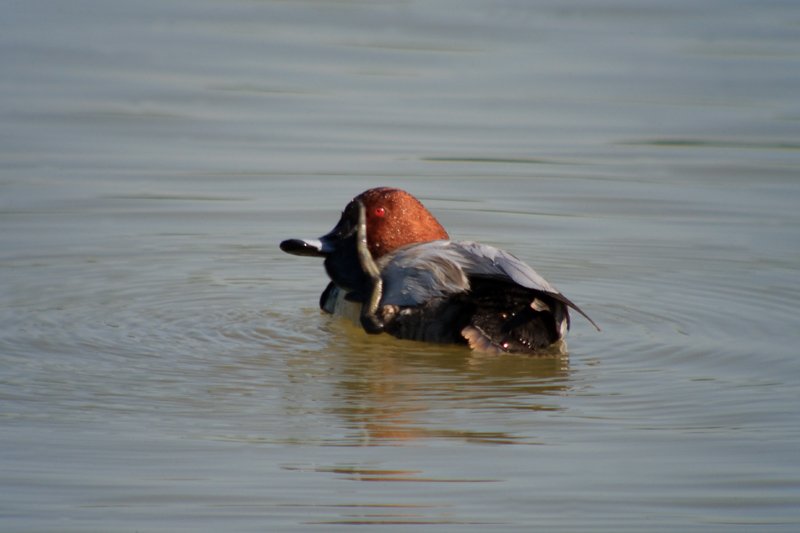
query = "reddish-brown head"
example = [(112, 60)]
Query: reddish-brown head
[(395, 218)]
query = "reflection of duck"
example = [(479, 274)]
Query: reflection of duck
[(394, 266), (394, 392)]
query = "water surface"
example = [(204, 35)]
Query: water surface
[(164, 367)]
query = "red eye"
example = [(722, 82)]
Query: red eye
[(379, 211)]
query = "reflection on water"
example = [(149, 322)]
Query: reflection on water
[(362, 473), (388, 395)]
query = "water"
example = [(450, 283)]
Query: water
[(164, 367)]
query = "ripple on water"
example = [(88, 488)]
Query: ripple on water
[(143, 346), (259, 363)]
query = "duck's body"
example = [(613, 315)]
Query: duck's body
[(393, 264)]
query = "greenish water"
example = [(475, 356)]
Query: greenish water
[(164, 367)]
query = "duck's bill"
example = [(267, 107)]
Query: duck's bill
[(311, 247)]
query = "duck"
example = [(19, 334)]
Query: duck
[(394, 270)]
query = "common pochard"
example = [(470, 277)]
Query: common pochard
[(395, 270)]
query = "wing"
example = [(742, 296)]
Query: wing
[(417, 273), (499, 264)]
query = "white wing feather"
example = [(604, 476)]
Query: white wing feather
[(416, 273)]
